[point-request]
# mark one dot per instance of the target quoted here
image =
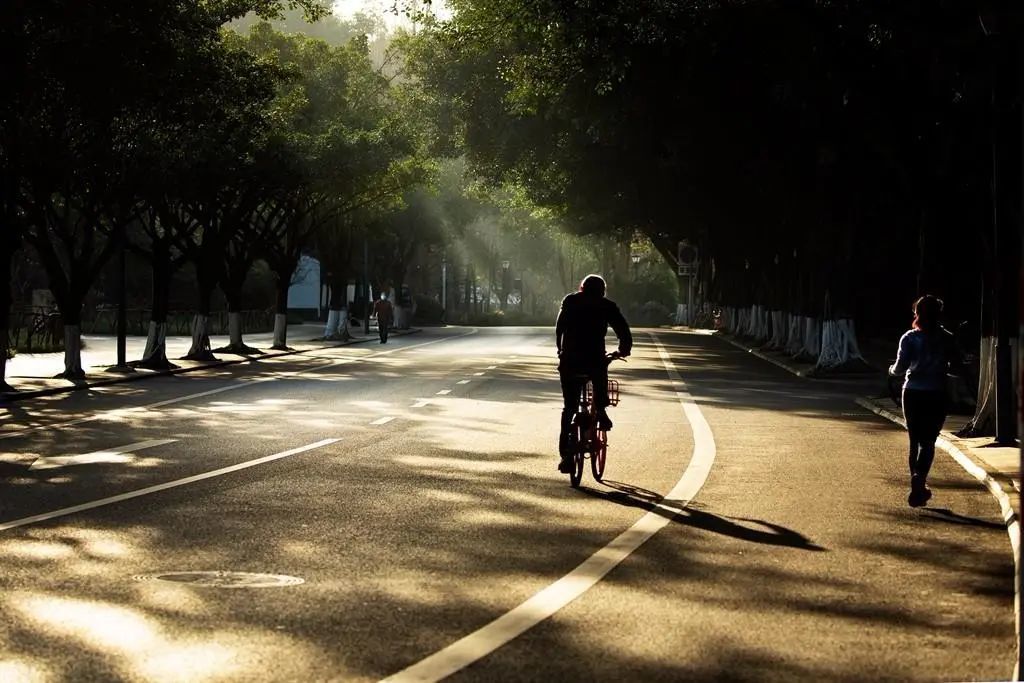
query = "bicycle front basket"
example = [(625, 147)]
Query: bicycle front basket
[(613, 392)]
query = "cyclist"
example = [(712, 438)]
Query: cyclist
[(580, 329)]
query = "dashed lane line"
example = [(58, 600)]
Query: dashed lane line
[(382, 420), (107, 455), (444, 392), (138, 493), (421, 404), (463, 381), (544, 604), (478, 374)]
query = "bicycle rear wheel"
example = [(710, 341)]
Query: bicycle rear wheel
[(597, 457)]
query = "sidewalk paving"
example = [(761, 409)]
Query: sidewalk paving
[(996, 467), (32, 374)]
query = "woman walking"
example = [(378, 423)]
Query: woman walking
[(924, 357)]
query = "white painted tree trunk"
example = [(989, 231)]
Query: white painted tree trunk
[(795, 336), (280, 331), (200, 335), (779, 329), (235, 329), (156, 343), (812, 338), (337, 324), (762, 333), (744, 326), (401, 321), (73, 352), (4, 386), (332, 323), (984, 421), (838, 344)]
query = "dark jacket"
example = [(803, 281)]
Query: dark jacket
[(581, 326)]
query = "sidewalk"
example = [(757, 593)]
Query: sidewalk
[(995, 467), (32, 374)]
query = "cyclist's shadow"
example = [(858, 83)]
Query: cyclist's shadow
[(682, 512)]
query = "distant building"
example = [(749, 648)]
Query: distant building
[(304, 294)]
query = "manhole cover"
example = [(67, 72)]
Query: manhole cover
[(224, 579)]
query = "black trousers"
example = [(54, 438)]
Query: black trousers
[(573, 377), (925, 412), (382, 330)]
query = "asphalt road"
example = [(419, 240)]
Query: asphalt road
[(412, 487)]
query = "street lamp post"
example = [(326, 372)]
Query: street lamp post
[(504, 282), (122, 306), (366, 284)]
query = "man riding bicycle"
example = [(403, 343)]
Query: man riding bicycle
[(580, 329)]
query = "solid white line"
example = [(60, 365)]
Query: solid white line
[(109, 455), (382, 420), (542, 605), (63, 512), (241, 383), (463, 381), (444, 392), (421, 404)]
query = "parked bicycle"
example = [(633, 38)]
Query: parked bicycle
[(586, 438)]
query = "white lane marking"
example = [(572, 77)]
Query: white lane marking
[(542, 605), (382, 420), (241, 384), (463, 381), (63, 512), (492, 367), (421, 404), (444, 392), (478, 374), (109, 455)]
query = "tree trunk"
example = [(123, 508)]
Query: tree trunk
[(155, 355), (281, 314), (200, 349), (72, 353), (236, 345), (337, 317), (6, 257), (984, 421)]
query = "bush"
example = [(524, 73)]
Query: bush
[(653, 313), (428, 311)]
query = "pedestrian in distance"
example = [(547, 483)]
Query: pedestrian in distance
[(925, 354), (580, 328), (385, 313)]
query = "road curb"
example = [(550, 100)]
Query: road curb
[(799, 372), (37, 393)]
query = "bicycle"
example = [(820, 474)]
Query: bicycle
[(585, 435)]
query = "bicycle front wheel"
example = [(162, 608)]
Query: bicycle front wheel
[(597, 457), (579, 448)]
